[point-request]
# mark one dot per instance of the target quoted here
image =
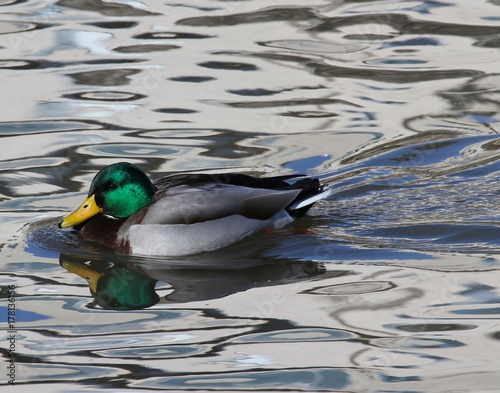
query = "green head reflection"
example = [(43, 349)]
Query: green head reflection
[(114, 287)]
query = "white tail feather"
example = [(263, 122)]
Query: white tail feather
[(310, 200)]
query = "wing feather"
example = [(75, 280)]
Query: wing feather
[(190, 204)]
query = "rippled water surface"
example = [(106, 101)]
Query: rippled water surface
[(389, 285)]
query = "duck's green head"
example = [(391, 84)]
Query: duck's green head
[(119, 190)]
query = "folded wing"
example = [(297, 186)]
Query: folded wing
[(203, 202)]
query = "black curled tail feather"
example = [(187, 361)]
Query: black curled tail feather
[(311, 192)]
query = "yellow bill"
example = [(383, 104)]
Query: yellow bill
[(88, 209)]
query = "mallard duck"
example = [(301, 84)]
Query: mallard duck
[(185, 214)]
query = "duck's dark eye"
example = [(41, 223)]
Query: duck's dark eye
[(110, 186)]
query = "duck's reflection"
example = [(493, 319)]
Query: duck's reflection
[(113, 286), (131, 285)]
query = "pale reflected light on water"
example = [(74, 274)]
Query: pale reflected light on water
[(389, 285)]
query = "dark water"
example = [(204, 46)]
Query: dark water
[(390, 285)]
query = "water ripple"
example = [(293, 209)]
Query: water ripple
[(268, 14), (390, 284)]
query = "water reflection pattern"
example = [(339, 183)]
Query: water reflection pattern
[(390, 286)]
